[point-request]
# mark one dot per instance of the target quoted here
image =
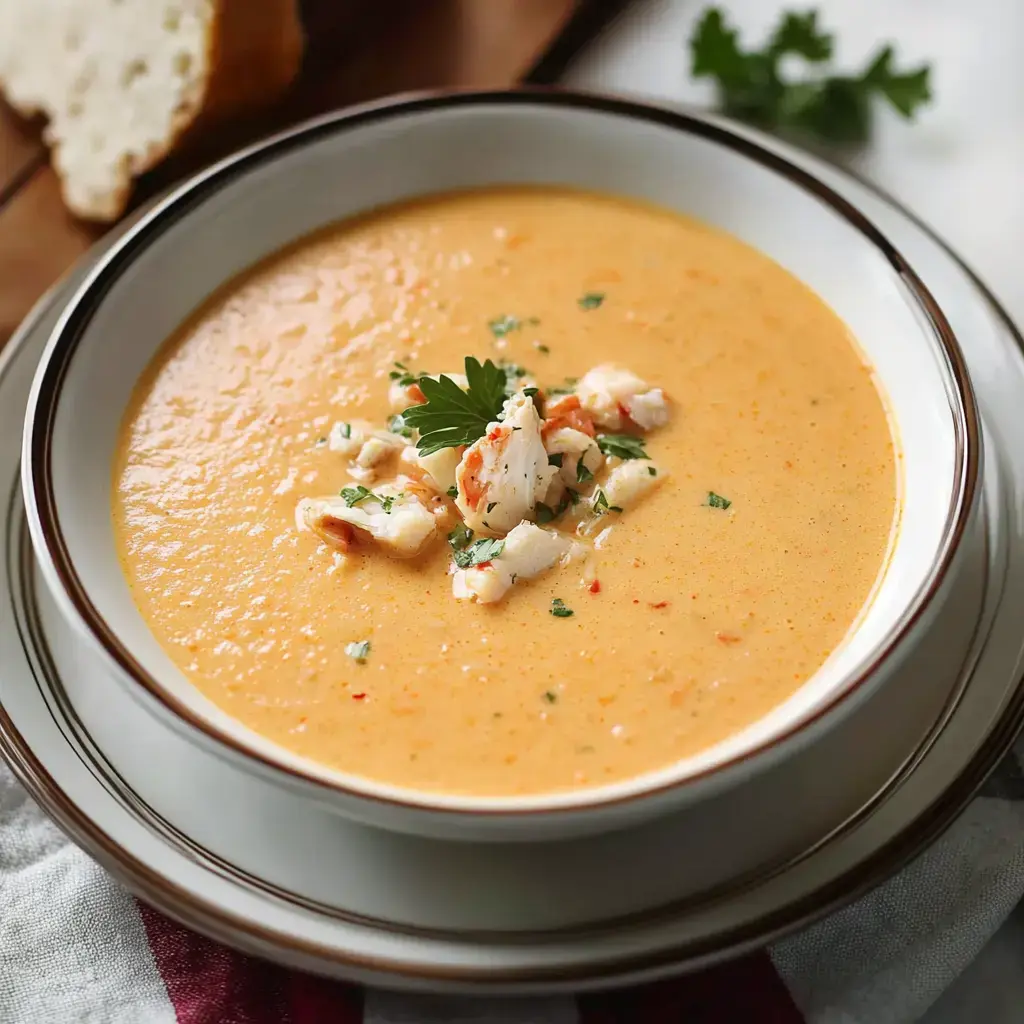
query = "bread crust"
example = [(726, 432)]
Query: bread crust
[(254, 51)]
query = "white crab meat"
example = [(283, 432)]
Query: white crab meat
[(378, 447), (437, 469), (614, 396), (631, 481), (403, 531), (346, 438), (528, 552), (503, 476), (573, 446)]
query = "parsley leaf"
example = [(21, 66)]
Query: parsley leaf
[(402, 375), (452, 417), (717, 501), (622, 446), (556, 459), (559, 610), (830, 107), (582, 473), (590, 301), (484, 550), (549, 695), (358, 650), (452, 492)]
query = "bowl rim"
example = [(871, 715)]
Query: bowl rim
[(182, 200)]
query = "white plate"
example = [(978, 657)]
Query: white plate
[(37, 731)]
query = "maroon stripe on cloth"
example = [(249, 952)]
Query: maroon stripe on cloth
[(746, 991), (210, 984)]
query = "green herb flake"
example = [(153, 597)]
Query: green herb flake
[(402, 374), (491, 505), (583, 475), (502, 326), (717, 501), (358, 650), (451, 417), (592, 300), (549, 695), (831, 107), (345, 429), (622, 446), (354, 495), (556, 459), (651, 471), (480, 551), (397, 425), (461, 537), (559, 610), (601, 506), (531, 392), (452, 492), (543, 349), (321, 441)]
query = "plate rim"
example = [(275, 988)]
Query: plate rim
[(880, 864)]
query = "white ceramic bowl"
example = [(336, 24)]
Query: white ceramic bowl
[(235, 214)]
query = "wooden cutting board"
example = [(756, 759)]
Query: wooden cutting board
[(358, 50)]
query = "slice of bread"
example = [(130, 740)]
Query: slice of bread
[(120, 82)]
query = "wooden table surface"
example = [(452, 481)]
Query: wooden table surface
[(381, 47)]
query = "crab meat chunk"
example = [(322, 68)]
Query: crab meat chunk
[(615, 396), (378, 447), (504, 474), (437, 469), (528, 552), (574, 446), (631, 481), (403, 531)]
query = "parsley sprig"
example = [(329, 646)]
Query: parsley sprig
[(831, 107), (452, 417), (354, 495), (622, 446)]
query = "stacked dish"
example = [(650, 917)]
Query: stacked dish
[(455, 565)]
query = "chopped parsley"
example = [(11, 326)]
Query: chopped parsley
[(358, 650), (582, 473), (321, 441), (601, 506), (451, 417), (479, 551), (461, 537), (622, 446), (452, 492), (556, 459), (590, 301), (501, 326), (717, 501), (491, 505), (651, 471), (354, 495), (559, 610), (549, 695), (345, 429), (546, 514), (531, 392), (402, 374), (543, 349), (397, 425)]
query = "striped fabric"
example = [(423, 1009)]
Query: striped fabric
[(76, 949)]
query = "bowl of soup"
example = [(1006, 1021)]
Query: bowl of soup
[(502, 465)]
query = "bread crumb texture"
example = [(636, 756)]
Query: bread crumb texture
[(119, 81)]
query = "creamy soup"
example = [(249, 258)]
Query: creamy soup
[(656, 627)]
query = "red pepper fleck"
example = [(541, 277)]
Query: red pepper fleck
[(494, 434), (483, 565), (358, 696), (595, 587), (658, 604), (636, 600), (727, 638)]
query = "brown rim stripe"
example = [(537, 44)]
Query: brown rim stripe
[(192, 195), (183, 907)]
